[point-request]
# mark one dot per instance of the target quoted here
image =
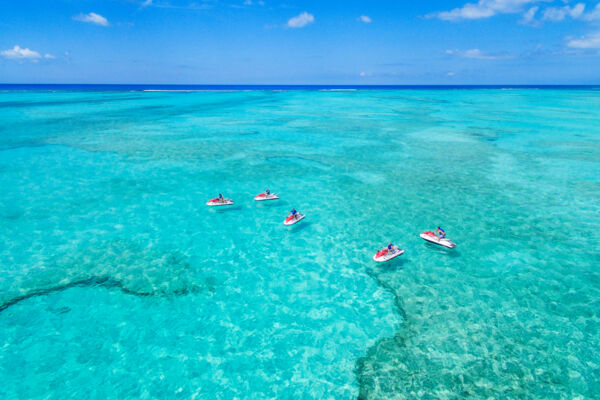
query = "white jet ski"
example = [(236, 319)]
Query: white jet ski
[(217, 202), (433, 238), (386, 255), (293, 219), (264, 196)]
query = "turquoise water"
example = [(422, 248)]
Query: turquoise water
[(118, 282)]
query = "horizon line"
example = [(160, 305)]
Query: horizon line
[(309, 84), (296, 85)]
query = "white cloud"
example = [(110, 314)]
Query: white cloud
[(49, 56), (489, 8), (365, 18), (593, 15), (483, 9), (577, 10), (450, 74), (301, 20), (591, 41), (558, 14), (194, 5), (529, 16), (476, 54), (94, 18), (17, 53)]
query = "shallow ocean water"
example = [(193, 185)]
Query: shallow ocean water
[(116, 281)]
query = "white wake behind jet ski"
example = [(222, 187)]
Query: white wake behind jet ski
[(433, 238)]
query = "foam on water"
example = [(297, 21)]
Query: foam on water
[(117, 282)]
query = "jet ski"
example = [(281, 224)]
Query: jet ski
[(264, 196), (433, 238), (386, 255), (216, 202), (292, 219)]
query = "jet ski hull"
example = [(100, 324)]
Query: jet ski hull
[(263, 197), (217, 203)]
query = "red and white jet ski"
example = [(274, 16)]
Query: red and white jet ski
[(293, 219), (433, 238), (264, 196), (217, 202), (384, 255)]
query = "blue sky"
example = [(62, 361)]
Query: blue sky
[(292, 42)]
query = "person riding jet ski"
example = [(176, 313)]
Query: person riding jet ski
[(391, 247), (440, 232)]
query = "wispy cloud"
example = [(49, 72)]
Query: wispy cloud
[(254, 2), (202, 5), (477, 54), (559, 13), (365, 18), (301, 20), (529, 16), (591, 41), (482, 9), (593, 15), (92, 18)]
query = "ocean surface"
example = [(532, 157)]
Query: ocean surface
[(117, 282)]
